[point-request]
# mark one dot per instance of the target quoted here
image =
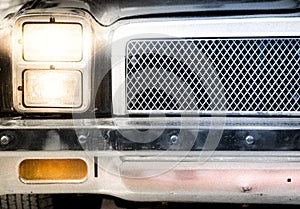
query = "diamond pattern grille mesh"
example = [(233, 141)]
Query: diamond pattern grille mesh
[(227, 75)]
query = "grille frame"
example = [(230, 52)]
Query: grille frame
[(252, 28)]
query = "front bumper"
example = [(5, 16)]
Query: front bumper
[(207, 175), (234, 177)]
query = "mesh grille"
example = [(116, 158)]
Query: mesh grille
[(228, 75)]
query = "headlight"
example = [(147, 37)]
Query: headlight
[(60, 88), (52, 42), (52, 63)]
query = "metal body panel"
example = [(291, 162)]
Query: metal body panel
[(109, 12)]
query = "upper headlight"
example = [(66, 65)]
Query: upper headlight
[(52, 63), (52, 42)]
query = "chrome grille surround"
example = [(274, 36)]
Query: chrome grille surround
[(231, 60)]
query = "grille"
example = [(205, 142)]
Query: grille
[(213, 75)]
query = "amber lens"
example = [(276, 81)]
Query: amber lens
[(53, 169)]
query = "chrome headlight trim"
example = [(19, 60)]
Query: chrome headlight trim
[(19, 64)]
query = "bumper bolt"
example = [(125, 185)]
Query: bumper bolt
[(4, 140), (174, 139), (82, 139), (250, 140)]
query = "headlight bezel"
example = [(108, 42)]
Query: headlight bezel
[(20, 64)]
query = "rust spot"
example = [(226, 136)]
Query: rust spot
[(246, 189)]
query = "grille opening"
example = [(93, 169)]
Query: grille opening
[(236, 75), (166, 97), (160, 100)]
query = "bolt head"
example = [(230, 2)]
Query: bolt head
[(82, 139), (4, 140), (250, 140), (174, 139)]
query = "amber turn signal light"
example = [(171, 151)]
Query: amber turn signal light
[(53, 170)]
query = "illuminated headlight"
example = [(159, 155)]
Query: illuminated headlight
[(52, 42), (56, 88), (51, 61)]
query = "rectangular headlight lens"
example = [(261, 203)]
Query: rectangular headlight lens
[(52, 88), (52, 42)]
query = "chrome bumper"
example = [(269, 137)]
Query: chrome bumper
[(196, 176), (235, 177)]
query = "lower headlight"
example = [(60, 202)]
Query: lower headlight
[(52, 88)]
